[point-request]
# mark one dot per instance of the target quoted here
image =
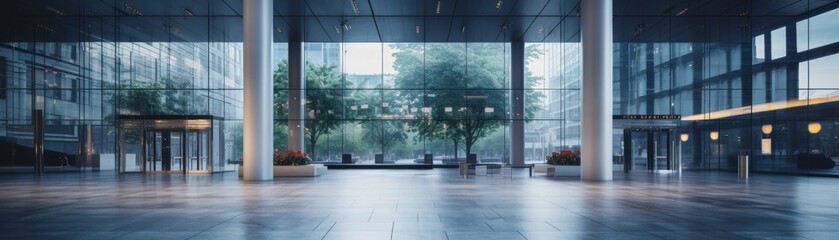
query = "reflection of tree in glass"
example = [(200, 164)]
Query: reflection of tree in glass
[(462, 105), (167, 97), (323, 100)]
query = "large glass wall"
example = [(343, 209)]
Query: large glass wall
[(396, 102), (84, 71), (760, 79), (750, 82)]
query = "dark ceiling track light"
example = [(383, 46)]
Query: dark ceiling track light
[(188, 12), (355, 7), (131, 10), (280, 30), (56, 11), (346, 25)]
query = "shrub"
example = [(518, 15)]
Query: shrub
[(291, 158), (564, 157)]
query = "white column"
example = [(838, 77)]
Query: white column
[(517, 102), (258, 120), (296, 97), (596, 28)]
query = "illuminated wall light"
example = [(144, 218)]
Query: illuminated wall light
[(814, 127), (715, 135), (448, 109), (426, 109), (766, 128), (489, 110), (684, 137), (364, 106)]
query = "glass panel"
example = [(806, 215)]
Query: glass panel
[(779, 43), (132, 160)]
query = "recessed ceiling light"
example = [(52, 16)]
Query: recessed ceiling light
[(541, 29)]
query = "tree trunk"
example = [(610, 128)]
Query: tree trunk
[(312, 141), (455, 150)]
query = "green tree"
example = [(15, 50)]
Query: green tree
[(180, 98), (167, 97), (465, 97), (323, 100), (380, 123)]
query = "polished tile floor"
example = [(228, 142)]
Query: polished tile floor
[(418, 204)]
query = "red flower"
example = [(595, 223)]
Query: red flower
[(576, 152)]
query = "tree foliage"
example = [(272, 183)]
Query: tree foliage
[(323, 100), (169, 96), (466, 95)]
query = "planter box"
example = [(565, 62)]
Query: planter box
[(559, 170), (311, 170)]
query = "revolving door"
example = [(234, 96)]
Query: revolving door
[(169, 144)]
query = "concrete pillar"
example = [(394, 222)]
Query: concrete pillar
[(296, 97), (596, 28), (258, 120), (517, 102)]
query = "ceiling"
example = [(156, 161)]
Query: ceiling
[(393, 20)]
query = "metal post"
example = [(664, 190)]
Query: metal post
[(743, 167), (258, 119), (296, 97), (596, 28), (38, 138), (517, 102)]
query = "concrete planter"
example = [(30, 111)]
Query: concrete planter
[(311, 170), (559, 170)]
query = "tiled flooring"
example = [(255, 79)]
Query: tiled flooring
[(418, 204)]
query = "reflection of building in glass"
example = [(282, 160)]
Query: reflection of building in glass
[(82, 83)]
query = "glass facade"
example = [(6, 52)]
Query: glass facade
[(401, 101), (761, 82)]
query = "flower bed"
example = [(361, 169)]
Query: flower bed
[(291, 158), (564, 157)]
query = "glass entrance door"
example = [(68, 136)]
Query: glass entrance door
[(197, 146), (163, 151), (649, 149)]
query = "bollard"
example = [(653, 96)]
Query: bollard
[(743, 167)]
